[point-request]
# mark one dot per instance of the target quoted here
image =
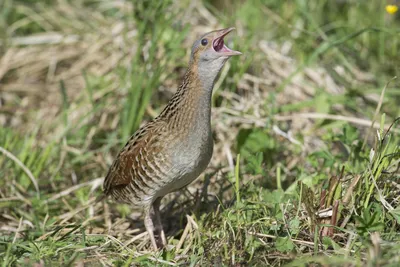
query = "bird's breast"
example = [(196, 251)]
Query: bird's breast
[(190, 156)]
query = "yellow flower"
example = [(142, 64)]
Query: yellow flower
[(391, 9)]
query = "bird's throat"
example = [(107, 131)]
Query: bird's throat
[(191, 104)]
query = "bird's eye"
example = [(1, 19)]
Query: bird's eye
[(204, 42)]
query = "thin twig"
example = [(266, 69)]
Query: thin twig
[(274, 237), (378, 108), (18, 229), (184, 235), (9, 155), (136, 237), (362, 122), (74, 188)]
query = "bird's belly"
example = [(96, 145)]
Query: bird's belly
[(189, 161)]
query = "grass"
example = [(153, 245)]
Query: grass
[(306, 163)]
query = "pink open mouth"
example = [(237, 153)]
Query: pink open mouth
[(219, 45)]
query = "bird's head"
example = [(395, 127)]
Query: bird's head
[(209, 54)]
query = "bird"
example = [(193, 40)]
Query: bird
[(173, 149)]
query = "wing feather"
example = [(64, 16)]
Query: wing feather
[(132, 158)]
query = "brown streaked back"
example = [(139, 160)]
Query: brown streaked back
[(131, 178)]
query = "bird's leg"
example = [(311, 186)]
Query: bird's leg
[(159, 227), (148, 223)]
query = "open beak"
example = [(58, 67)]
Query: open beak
[(219, 45)]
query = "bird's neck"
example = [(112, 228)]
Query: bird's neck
[(191, 104), (196, 90), (207, 72)]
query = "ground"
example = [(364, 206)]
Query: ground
[(305, 169)]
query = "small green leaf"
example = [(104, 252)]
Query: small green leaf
[(273, 197), (396, 214), (328, 242), (294, 226), (284, 244)]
